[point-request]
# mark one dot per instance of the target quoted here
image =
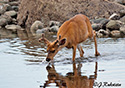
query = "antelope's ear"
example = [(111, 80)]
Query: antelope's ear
[(62, 42), (46, 41)]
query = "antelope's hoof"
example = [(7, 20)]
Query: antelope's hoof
[(97, 54)]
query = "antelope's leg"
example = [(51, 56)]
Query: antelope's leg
[(74, 53), (95, 41), (80, 50)]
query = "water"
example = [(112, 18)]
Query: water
[(21, 64)]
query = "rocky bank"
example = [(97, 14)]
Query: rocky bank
[(107, 16)]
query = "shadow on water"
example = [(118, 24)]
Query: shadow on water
[(73, 79)]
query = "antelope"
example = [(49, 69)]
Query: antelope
[(70, 35)]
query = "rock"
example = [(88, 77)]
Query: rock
[(4, 1), (113, 25), (103, 33), (98, 20), (15, 8), (115, 33), (9, 8), (13, 27), (3, 8), (122, 29), (114, 16), (122, 19), (44, 30), (54, 29), (35, 26), (120, 1), (96, 26), (11, 13), (54, 23), (3, 21), (122, 13), (99, 23), (14, 21), (8, 18), (99, 35), (104, 22), (14, 3)]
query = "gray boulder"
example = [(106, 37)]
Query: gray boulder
[(122, 12), (99, 23), (103, 33), (3, 21), (54, 23), (11, 13), (4, 1), (115, 33), (3, 8), (113, 25), (14, 21), (54, 29), (120, 1), (15, 8), (14, 3), (98, 20), (122, 19), (35, 26), (114, 16), (122, 30), (104, 22), (44, 30), (96, 27), (13, 27), (8, 18), (99, 35), (9, 8)]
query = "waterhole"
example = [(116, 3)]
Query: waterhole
[(21, 65)]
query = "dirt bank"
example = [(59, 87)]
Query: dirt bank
[(61, 10)]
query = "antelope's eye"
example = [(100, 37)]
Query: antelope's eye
[(52, 51)]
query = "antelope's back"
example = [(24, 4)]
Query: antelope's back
[(76, 29)]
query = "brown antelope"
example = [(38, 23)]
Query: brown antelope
[(70, 35)]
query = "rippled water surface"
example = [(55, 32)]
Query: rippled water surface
[(21, 63)]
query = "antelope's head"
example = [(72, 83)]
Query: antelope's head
[(53, 47)]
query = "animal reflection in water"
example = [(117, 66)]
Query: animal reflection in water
[(71, 80)]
